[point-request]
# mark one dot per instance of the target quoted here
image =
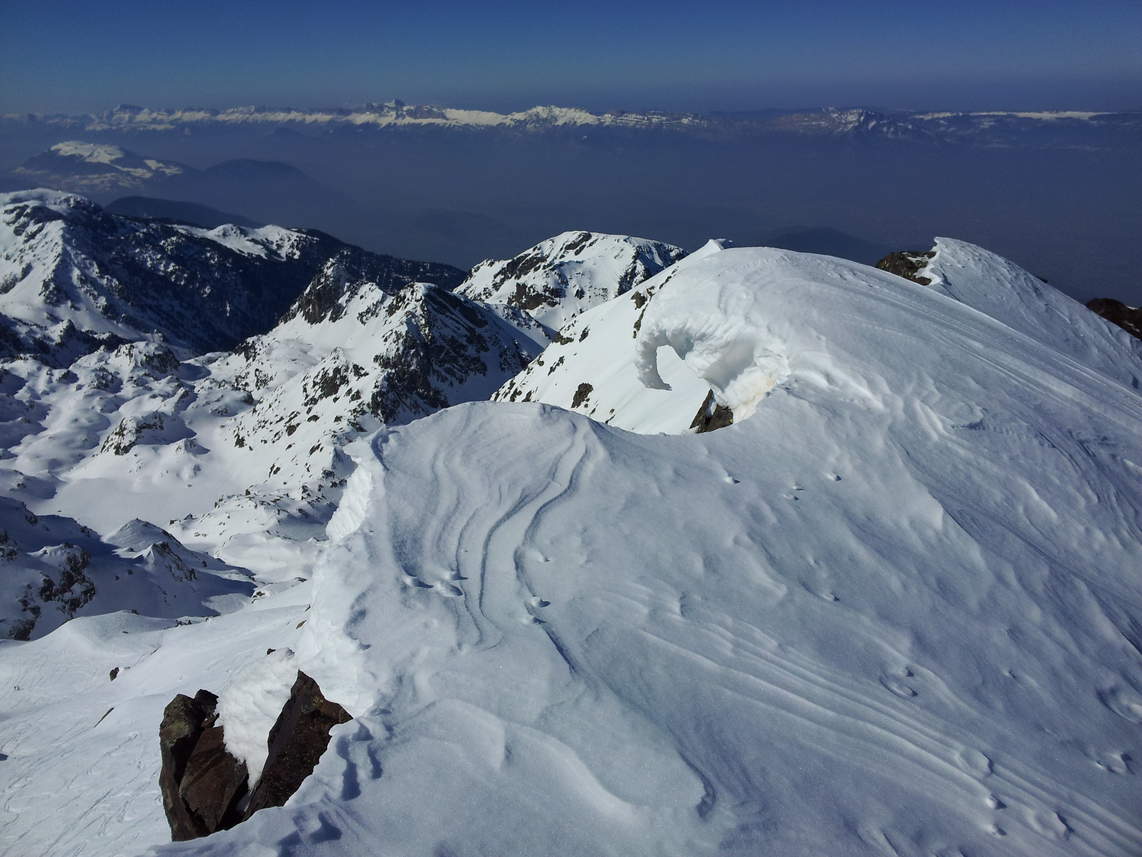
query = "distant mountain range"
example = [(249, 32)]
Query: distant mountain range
[(103, 168), (1045, 128)]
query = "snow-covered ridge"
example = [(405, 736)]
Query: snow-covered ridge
[(987, 127), (557, 279), (93, 167)]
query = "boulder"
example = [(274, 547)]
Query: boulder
[(711, 416), (205, 789), (296, 743), (201, 783)]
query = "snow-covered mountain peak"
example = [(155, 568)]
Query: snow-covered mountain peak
[(1001, 289), (557, 279), (95, 153), (63, 259), (95, 167)]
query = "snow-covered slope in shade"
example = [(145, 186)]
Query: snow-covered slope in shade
[(52, 569), (67, 266), (888, 612), (559, 278)]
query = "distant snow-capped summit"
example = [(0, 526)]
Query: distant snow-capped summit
[(97, 167), (1050, 128)]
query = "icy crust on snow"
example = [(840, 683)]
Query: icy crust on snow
[(889, 611)]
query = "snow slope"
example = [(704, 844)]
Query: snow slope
[(890, 610)]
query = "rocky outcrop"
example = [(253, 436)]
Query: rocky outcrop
[(907, 264), (1129, 318), (296, 743), (711, 416), (201, 783), (204, 788)]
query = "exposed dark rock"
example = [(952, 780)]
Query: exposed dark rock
[(907, 264), (711, 416), (130, 431), (347, 272), (201, 783), (296, 743), (214, 782), (582, 393), (1129, 318)]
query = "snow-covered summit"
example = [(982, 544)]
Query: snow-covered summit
[(557, 279), (606, 361)]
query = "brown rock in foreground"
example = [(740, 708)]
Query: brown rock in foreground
[(201, 783), (711, 416), (205, 788), (296, 743)]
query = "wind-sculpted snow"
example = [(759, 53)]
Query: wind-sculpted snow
[(888, 613), (889, 610)]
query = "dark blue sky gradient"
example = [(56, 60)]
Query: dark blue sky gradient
[(71, 56)]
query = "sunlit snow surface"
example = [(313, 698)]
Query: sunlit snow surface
[(893, 611)]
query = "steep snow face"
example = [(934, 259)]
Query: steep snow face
[(890, 610), (95, 168), (557, 279)]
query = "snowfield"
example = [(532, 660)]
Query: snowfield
[(891, 610)]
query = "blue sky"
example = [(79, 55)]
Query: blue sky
[(718, 56)]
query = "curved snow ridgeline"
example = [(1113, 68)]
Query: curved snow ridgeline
[(890, 613)]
